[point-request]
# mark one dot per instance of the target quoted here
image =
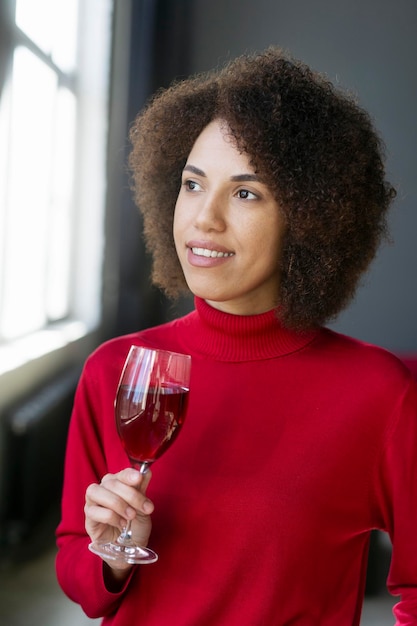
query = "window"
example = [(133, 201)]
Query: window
[(53, 128)]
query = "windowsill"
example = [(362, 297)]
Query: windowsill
[(23, 350), (28, 361)]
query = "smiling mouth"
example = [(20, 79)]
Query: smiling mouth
[(214, 254)]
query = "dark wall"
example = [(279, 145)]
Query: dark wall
[(159, 40)]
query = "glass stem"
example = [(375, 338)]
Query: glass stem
[(144, 467), (125, 537)]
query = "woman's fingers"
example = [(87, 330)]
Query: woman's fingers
[(118, 498), (104, 507), (131, 477), (121, 493)]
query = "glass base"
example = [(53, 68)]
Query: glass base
[(123, 553)]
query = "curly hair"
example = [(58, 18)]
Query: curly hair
[(313, 145)]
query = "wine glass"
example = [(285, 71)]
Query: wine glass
[(150, 406)]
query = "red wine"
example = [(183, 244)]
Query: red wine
[(149, 423)]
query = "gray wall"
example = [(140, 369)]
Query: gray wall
[(370, 47)]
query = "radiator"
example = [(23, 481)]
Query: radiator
[(34, 433)]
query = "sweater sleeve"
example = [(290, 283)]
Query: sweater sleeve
[(397, 504), (79, 572)]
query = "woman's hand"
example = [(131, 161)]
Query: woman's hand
[(118, 498)]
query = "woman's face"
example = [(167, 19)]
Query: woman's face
[(228, 228)]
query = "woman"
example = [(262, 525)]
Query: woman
[(298, 441)]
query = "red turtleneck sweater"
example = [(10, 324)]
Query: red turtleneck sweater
[(293, 449)]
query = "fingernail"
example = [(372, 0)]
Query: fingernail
[(148, 506)]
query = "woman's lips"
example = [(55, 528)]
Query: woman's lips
[(207, 252), (201, 254)]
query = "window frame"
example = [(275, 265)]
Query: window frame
[(27, 361)]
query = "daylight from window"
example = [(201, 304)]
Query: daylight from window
[(42, 107)]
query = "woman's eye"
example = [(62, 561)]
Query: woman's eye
[(191, 185), (245, 194)]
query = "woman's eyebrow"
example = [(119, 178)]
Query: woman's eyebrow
[(194, 170), (237, 178), (245, 177)]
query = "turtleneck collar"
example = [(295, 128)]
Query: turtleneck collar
[(225, 337)]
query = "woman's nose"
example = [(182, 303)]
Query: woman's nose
[(211, 214)]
